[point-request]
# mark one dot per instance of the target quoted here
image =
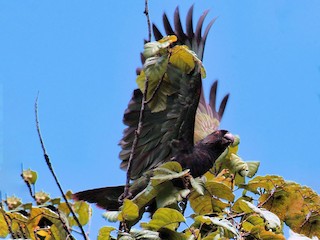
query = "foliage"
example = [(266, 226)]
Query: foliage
[(45, 218), (224, 204)]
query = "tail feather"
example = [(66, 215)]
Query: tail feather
[(106, 197)]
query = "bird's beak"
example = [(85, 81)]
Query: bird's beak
[(229, 137)]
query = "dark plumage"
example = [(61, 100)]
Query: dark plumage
[(170, 134)]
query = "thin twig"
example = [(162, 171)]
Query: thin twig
[(46, 157), (136, 138), (146, 12), (32, 194)]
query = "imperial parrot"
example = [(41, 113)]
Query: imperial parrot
[(184, 129)]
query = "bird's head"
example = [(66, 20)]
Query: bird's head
[(218, 139)]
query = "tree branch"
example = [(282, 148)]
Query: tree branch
[(126, 192), (48, 162), (146, 12), (135, 140)]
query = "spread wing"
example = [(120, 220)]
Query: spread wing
[(177, 121), (207, 117)]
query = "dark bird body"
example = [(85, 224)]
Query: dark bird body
[(169, 135)]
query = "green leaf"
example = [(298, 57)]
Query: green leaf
[(160, 178), (57, 221), (83, 211), (13, 202), (225, 224), (4, 231), (268, 183), (272, 220), (69, 195), (153, 48), (55, 201), (111, 216), (197, 184), (238, 165), (164, 218), (144, 234), (219, 190), (104, 233), (42, 197), (259, 232), (253, 168), (170, 195), (182, 58), (167, 172), (240, 206), (30, 176), (129, 211)]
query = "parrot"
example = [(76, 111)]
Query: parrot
[(186, 130)]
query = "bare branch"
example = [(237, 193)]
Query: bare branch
[(48, 162), (146, 12)]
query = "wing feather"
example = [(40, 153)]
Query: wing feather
[(177, 121), (207, 117)]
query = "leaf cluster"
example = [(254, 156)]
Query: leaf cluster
[(44, 218)]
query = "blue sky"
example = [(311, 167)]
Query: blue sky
[(81, 56)]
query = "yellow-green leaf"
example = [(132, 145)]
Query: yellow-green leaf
[(182, 58), (4, 231), (164, 218), (129, 211), (219, 190), (42, 197), (30, 176), (83, 211), (104, 233), (13, 202), (111, 216)]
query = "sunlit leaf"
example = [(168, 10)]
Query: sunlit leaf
[(69, 194), (197, 184), (104, 233), (225, 224), (50, 218), (55, 201), (42, 197), (160, 178), (83, 211), (129, 211), (29, 176), (253, 168), (170, 195), (260, 233), (153, 48), (144, 234), (111, 216), (4, 231), (272, 220), (268, 183), (164, 218), (238, 165), (13, 202), (240, 206), (182, 58), (219, 190)]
